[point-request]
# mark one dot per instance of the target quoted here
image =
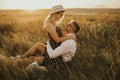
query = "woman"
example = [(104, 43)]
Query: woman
[(55, 39)]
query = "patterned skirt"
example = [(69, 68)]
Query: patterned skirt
[(55, 64)]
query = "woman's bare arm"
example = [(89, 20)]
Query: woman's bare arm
[(52, 30)]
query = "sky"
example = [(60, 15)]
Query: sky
[(41, 4)]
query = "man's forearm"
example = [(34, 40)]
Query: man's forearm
[(54, 53)]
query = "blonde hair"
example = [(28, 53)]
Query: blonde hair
[(48, 18)]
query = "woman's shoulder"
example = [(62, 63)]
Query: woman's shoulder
[(50, 26)]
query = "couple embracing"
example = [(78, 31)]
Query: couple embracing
[(60, 47)]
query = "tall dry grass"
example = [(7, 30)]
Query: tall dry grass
[(97, 56)]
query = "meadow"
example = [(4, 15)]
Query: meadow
[(97, 56)]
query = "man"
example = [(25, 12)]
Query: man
[(68, 48)]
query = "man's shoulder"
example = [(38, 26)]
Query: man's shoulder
[(70, 41)]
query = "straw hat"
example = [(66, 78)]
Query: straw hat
[(57, 8)]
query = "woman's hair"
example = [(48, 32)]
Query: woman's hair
[(50, 16)]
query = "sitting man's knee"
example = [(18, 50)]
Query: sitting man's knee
[(31, 57), (38, 43)]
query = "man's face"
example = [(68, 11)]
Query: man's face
[(69, 27)]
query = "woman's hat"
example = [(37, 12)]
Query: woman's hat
[(57, 8)]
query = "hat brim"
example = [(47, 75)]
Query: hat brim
[(57, 11)]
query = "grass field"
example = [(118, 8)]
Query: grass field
[(97, 56)]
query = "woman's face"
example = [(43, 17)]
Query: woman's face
[(59, 15)]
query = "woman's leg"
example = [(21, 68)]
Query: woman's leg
[(38, 46), (27, 61)]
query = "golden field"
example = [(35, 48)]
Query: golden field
[(97, 56)]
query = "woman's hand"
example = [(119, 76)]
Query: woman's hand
[(64, 33)]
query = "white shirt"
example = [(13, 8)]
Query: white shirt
[(67, 49)]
